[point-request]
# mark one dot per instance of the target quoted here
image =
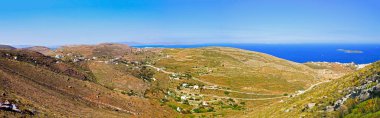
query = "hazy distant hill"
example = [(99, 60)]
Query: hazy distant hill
[(6, 47), (42, 49), (105, 49)]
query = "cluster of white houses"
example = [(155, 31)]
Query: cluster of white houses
[(178, 76), (78, 58), (191, 86), (74, 58)]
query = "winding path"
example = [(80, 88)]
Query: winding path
[(311, 87), (250, 93)]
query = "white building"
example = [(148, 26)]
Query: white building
[(204, 103), (195, 87), (58, 56), (184, 97), (184, 84)]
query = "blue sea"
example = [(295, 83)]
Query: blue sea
[(303, 52)]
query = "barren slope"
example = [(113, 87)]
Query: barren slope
[(35, 87)]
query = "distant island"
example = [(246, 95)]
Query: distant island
[(350, 51)]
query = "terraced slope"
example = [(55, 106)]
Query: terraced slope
[(239, 69), (354, 95)]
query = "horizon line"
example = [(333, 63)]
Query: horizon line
[(188, 43)]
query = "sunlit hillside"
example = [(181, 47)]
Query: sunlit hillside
[(116, 80)]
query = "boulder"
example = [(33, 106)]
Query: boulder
[(329, 109), (310, 105), (364, 96)]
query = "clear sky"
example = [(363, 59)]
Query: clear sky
[(57, 22)]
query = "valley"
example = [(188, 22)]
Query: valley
[(189, 59)]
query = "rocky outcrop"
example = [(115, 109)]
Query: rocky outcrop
[(368, 89)]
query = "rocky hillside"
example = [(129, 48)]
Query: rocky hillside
[(354, 95), (41, 86)]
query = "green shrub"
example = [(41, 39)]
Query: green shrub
[(369, 107)]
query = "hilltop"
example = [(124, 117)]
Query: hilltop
[(43, 50), (104, 49)]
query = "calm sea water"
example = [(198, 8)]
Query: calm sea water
[(304, 52)]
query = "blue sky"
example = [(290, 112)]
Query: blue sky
[(58, 22)]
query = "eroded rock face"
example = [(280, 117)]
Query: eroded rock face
[(365, 91)]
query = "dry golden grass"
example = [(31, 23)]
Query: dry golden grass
[(57, 94), (239, 69), (323, 95), (111, 77), (105, 49)]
